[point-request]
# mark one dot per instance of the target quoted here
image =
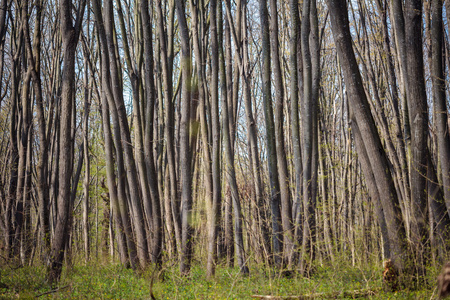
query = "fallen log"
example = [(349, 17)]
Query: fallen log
[(329, 295)]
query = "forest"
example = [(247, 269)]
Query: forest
[(244, 134)]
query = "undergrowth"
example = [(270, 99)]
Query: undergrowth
[(111, 281)]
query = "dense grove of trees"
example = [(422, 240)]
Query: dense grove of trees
[(247, 133)]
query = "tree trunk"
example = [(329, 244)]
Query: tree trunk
[(418, 115), (439, 100), (215, 120), (286, 207), (125, 137), (120, 206), (170, 124), (70, 34), (362, 118), (277, 233), (185, 155), (295, 122), (229, 156), (156, 234)]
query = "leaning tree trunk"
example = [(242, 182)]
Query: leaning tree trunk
[(363, 120)]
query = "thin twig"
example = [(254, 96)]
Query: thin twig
[(52, 291)]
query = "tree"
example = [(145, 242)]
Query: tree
[(440, 104), (215, 154), (418, 116), (185, 163), (277, 236), (70, 34), (283, 175), (363, 123)]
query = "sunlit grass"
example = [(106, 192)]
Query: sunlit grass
[(112, 281)]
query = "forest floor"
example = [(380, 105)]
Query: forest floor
[(111, 281)]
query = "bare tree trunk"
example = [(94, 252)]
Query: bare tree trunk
[(400, 41), (295, 123), (185, 155), (130, 166), (87, 166), (229, 156), (362, 118), (286, 207), (252, 136), (439, 100), (70, 33), (308, 125), (277, 233), (215, 120), (120, 206), (156, 225), (418, 115), (169, 119), (404, 179), (34, 61)]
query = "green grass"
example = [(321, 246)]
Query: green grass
[(99, 281)]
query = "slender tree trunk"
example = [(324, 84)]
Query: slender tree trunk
[(120, 206), (215, 120), (34, 61), (277, 233), (130, 165), (295, 122), (70, 34), (439, 100), (285, 196), (156, 234), (166, 58), (185, 155), (229, 156), (308, 125), (418, 115), (87, 167)]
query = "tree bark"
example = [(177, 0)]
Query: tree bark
[(70, 33), (439, 99), (215, 120), (418, 116), (277, 233), (185, 155), (156, 233), (166, 58), (285, 196)]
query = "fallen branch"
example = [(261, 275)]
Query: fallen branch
[(53, 291), (331, 295)]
